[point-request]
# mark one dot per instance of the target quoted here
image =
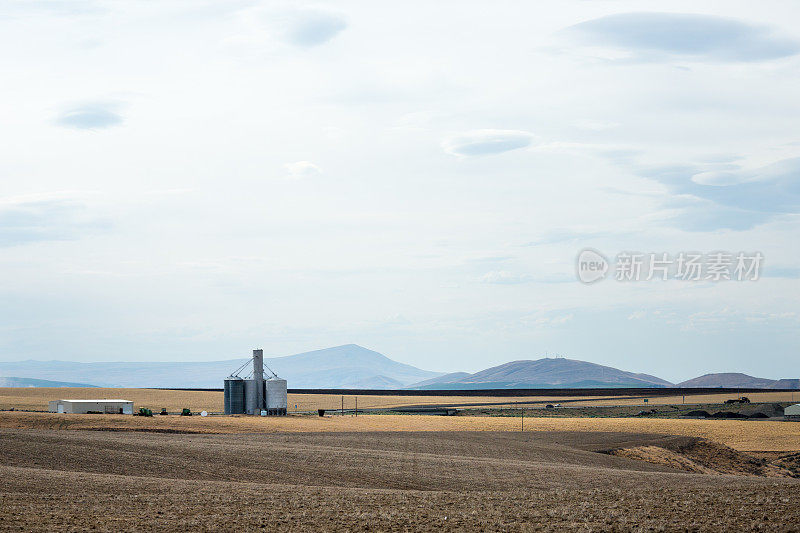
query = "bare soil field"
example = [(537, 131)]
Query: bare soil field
[(36, 398), (741, 435), (53, 480)]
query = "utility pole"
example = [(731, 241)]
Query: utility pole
[(356, 405), (522, 428), (342, 405)]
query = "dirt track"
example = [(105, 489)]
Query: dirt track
[(55, 480)]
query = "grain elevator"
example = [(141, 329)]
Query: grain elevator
[(254, 395)]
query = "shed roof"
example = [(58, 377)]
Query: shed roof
[(95, 401)]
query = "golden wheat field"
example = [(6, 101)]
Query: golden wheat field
[(36, 398), (742, 435)]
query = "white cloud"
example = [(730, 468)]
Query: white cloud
[(685, 35), (486, 142), (302, 169), (91, 116)]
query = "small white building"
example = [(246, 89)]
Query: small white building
[(792, 412), (122, 407)]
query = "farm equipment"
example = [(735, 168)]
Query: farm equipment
[(186, 412), (163, 411), (144, 411), (743, 399)]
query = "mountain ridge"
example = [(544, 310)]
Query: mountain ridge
[(738, 379), (547, 373), (346, 366), (351, 366), (17, 382)]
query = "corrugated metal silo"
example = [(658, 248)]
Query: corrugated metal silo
[(251, 397), (276, 396), (234, 396)]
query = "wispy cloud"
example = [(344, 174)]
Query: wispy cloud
[(90, 116), (684, 35), (711, 196), (503, 277), (262, 29), (734, 174), (571, 235), (309, 27), (486, 142), (781, 272), (691, 213), (730, 319), (46, 217), (61, 8)]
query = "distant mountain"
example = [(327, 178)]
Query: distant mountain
[(354, 367), (545, 373), (348, 366), (31, 382), (452, 377), (786, 384), (734, 379)]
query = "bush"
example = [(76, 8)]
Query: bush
[(728, 414)]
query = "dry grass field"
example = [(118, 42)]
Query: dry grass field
[(53, 480), (36, 398), (742, 435)]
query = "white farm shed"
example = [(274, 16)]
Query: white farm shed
[(122, 407), (792, 412)]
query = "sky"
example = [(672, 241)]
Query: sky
[(188, 180)]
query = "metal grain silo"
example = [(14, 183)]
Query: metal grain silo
[(251, 397), (276, 396), (234, 396)]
